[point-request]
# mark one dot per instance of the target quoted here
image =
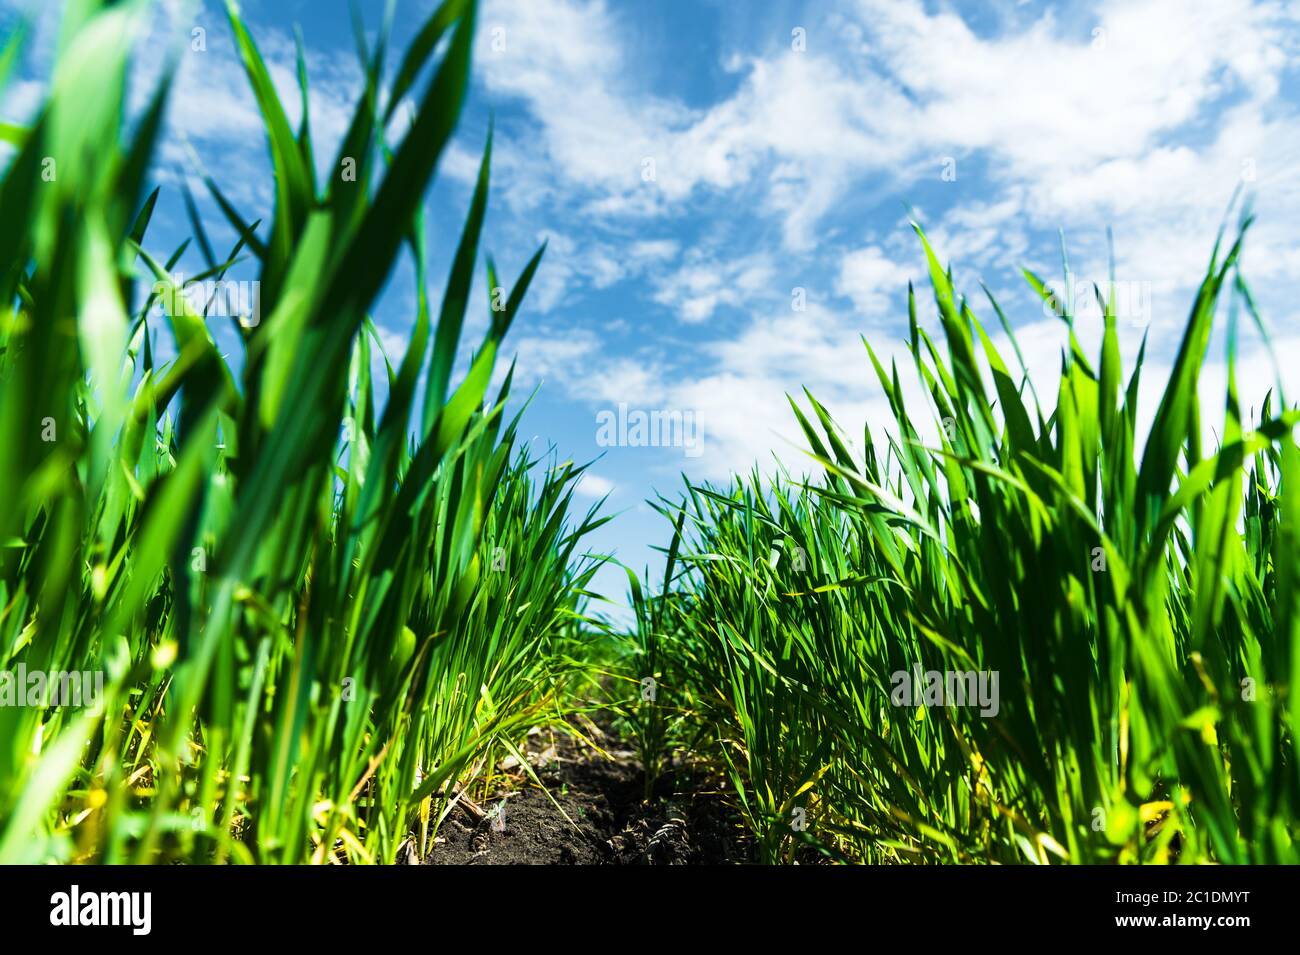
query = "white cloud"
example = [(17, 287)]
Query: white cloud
[(741, 399), (592, 485), (582, 364), (1085, 134), (805, 117), (21, 100), (706, 281), (554, 54), (1046, 99), (574, 264), (654, 250), (1063, 138), (874, 281), (1047, 105)]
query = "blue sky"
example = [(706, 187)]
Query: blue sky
[(788, 142)]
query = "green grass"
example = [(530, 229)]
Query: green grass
[(1138, 605), (319, 620)]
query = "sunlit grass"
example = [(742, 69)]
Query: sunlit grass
[(319, 619), (1137, 604)]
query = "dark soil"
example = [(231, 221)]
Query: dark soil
[(685, 822)]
